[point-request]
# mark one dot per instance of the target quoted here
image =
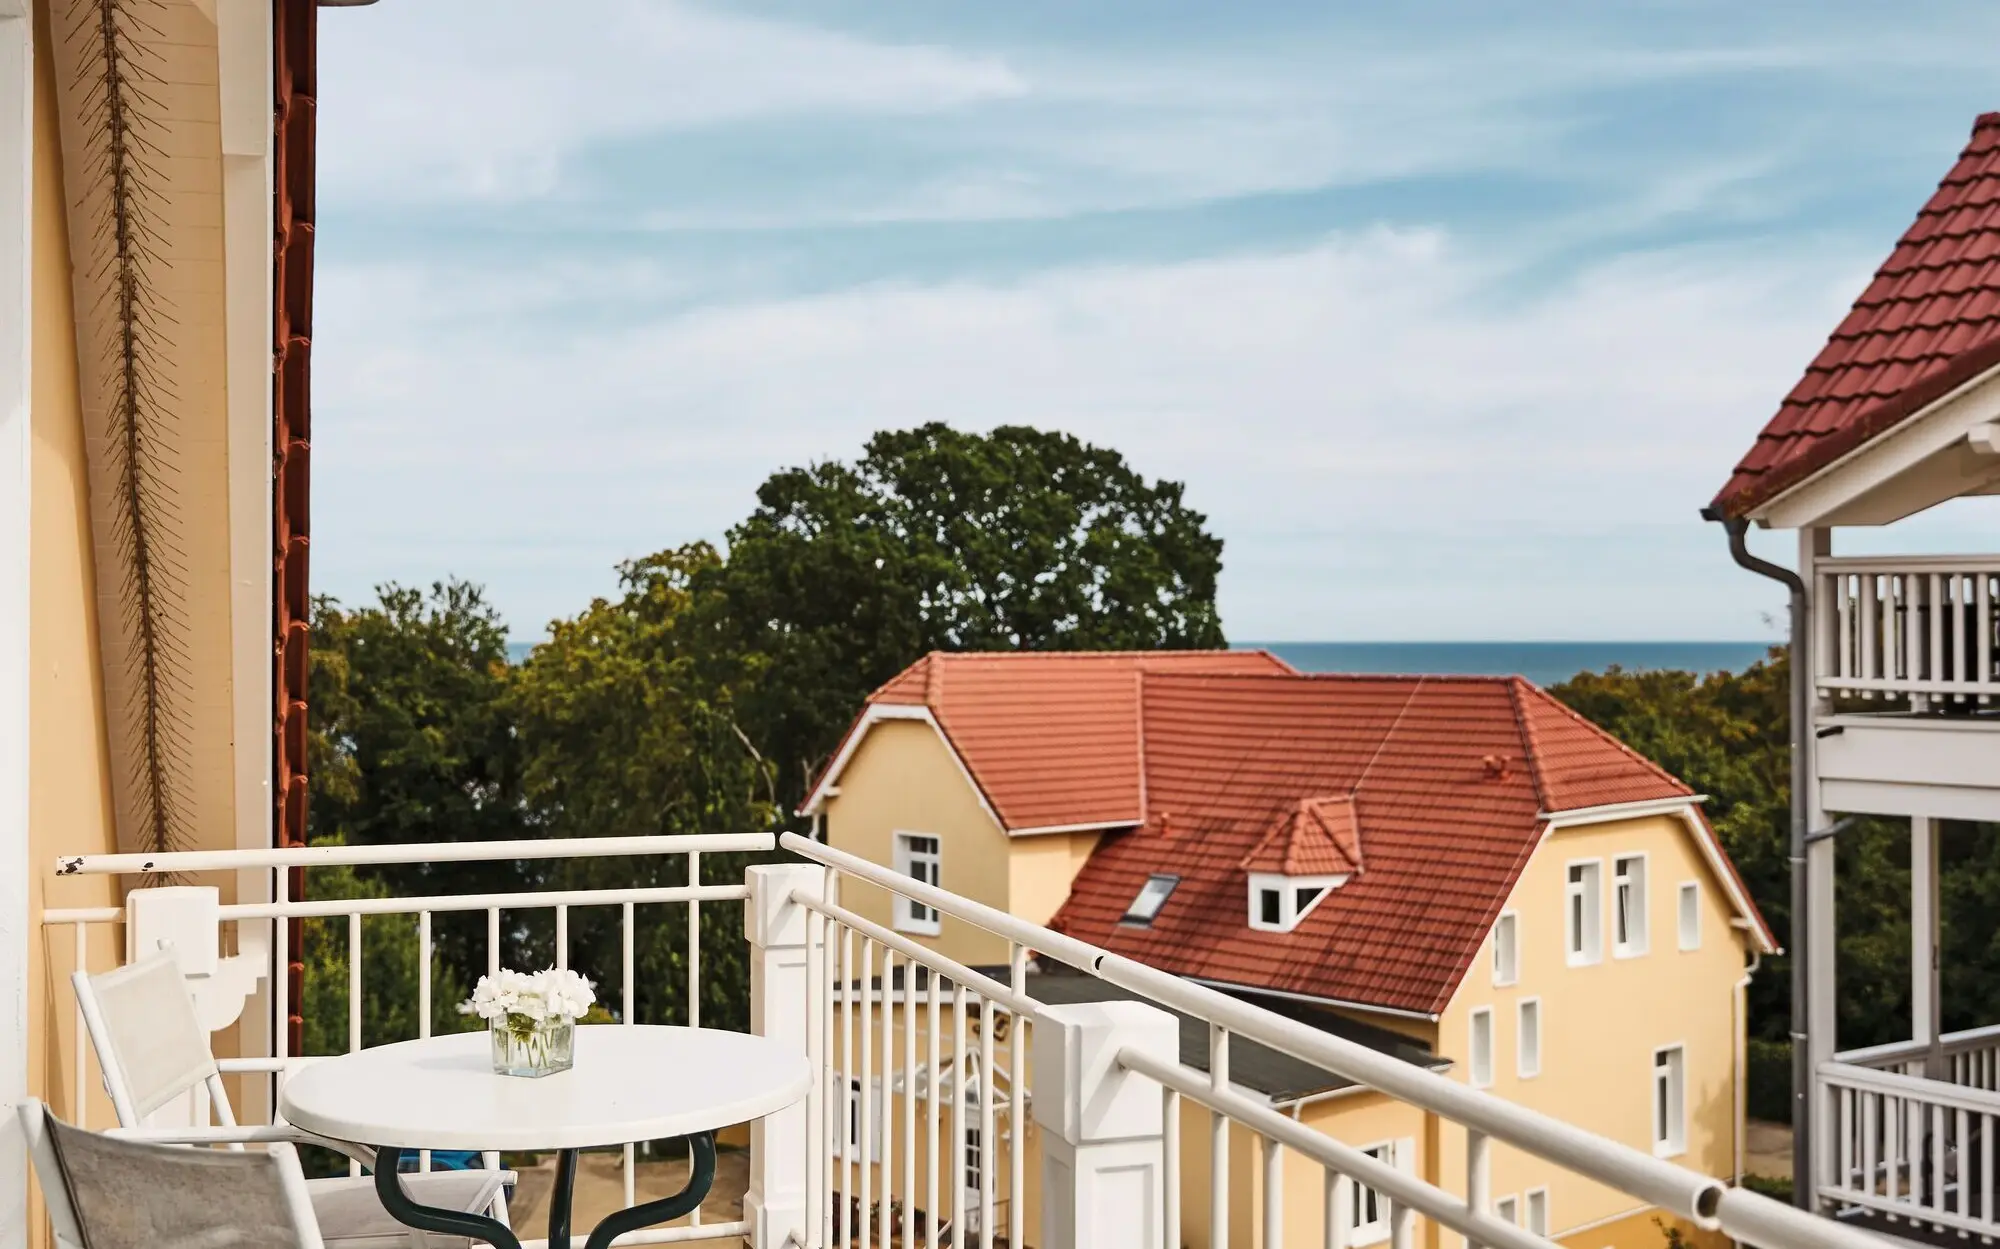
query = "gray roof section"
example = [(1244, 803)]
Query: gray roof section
[(1278, 1076)]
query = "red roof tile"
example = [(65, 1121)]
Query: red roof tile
[(1927, 324), (1050, 737), (1447, 779), (1316, 837)]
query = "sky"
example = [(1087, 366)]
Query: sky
[(1449, 316)]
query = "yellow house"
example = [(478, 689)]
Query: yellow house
[(1456, 870), (156, 201)]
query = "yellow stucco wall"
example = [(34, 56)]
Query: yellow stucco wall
[(1040, 870), (69, 789), (1603, 1022), (903, 778)]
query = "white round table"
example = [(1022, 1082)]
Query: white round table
[(627, 1084)]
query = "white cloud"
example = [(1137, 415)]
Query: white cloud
[(1531, 461), (490, 99)]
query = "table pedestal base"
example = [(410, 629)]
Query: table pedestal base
[(701, 1177)]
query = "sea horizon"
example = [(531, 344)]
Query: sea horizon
[(1544, 662)]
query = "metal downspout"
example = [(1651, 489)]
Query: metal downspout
[(1801, 728)]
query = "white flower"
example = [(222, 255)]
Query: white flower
[(530, 998)]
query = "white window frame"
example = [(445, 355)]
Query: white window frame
[(1524, 1009), (1400, 1154), (1583, 903), (1669, 1112), (1535, 1211), (1629, 910), (1688, 920), (1507, 1209), (910, 915), (1479, 1068), (1507, 970), (1290, 913), (847, 1147)]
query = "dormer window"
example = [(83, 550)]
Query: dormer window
[(1311, 850), (1152, 896), (1278, 903)]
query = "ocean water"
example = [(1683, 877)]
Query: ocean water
[(1544, 663)]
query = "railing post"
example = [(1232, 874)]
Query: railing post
[(1103, 1157), (775, 924)]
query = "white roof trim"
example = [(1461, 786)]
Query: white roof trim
[(1931, 429), (1687, 810), (1085, 827), (873, 715)]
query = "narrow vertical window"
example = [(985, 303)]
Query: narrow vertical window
[(1367, 1209), (1583, 920), (1529, 1057), (1669, 1101), (1538, 1211), (1690, 914), (1628, 906), (1506, 950), (1482, 1047), (918, 856)]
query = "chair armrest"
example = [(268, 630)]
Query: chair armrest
[(246, 1135)]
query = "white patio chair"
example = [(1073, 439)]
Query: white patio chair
[(106, 1193), (152, 1050)]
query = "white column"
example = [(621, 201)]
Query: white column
[(1816, 944), (16, 189), (1103, 1156), (243, 76), (1925, 1008), (775, 924)]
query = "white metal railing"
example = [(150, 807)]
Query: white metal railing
[(1969, 1059), (841, 1058), (1910, 1150), (283, 907), (1920, 628)]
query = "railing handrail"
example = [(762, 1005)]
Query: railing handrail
[(1907, 563), (1913, 1088), (1660, 1183), (413, 852), (1897, 1051)]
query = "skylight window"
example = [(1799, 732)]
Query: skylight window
[(1152, 896)]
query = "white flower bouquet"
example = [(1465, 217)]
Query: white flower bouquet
[(532, 1018)]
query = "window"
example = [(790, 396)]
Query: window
[(851, 1147), (1482, 1047), (1368, 1210), (1584, 920), (974, 1177), (1528, 1058), (1270, 907), (917, 857), (1279, 903), (1507, 1210), (1628, 931), (1152, 896), (1690, 914), (1669, 1101), (1538, 1211), (1506, 950)]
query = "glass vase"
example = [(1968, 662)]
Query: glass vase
[(527, 1047)]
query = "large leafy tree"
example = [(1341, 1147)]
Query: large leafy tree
[(942, 539), (622, 735)]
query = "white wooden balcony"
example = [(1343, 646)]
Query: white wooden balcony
[(1098, 1086), (1913, 1128), (1916, 630)]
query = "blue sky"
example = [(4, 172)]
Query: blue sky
[(1450, 316)]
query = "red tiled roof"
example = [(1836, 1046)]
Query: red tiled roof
[(1927, 324), (1447, 779), (1316, 837), (1050, 737)]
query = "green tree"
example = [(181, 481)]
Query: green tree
[(413, 741), (939, 539), (389, 962), (622, 735)]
